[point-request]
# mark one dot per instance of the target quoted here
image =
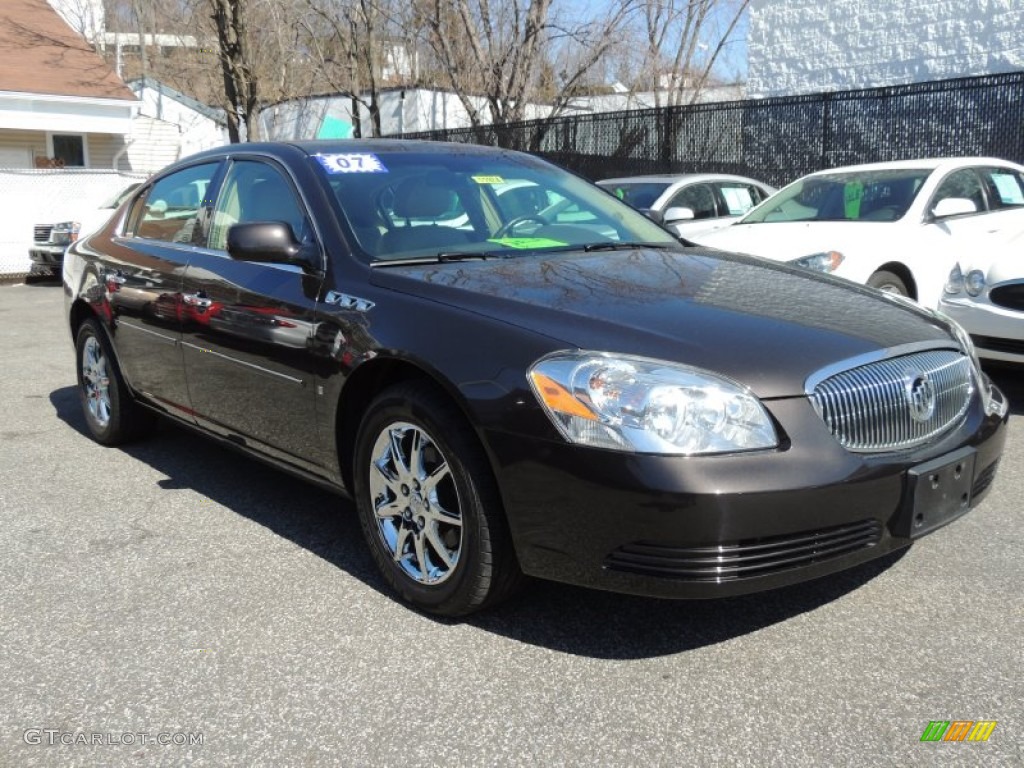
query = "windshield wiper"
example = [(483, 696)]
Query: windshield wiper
[(467, 256), (443, 257), (620, 246)]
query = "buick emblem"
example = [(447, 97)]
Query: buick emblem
[(920, 394)]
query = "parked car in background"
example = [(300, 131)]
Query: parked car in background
[(572, 393), (985, 294), (898, 226), (693, 202), (49, 241)]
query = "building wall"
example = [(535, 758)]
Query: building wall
[(805, 46), (18, 149), (152, 145), (196, 131)]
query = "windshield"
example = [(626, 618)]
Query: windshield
[(401, 205), (636, 193), (850, 196), (119, 198)]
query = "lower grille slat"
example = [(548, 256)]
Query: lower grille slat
[(746, 559)]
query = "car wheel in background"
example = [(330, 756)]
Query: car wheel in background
[(887, 282), (429, 506), (111, 413)]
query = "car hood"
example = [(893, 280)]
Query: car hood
[(768, 326), (789, 240), (1000, 263)]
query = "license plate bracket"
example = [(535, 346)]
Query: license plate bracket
[(938, 492)]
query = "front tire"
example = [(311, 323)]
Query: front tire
[(110, 412), (429, 506), (888, 282)]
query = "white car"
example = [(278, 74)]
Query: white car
[(49, 241), (691, 203), (897, 226), (985, 294)]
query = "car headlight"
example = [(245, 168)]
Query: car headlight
[(65, 232), (974, 283), (640, 405), (828, 261), (955, 281)]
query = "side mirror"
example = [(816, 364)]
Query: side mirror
[(653, 215), (678, 214), (269, 241), (953, 206)]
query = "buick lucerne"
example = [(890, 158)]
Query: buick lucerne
[(897, 226), (544, 383)]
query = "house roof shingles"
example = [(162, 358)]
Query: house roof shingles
[(40, 53)]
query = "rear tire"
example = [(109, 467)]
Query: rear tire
[(111, 413), (888, 282), (429, 506)]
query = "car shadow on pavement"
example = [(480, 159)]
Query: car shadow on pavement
[(555, 616)]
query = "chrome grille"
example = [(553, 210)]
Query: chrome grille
[(872, 408), (42, 233)]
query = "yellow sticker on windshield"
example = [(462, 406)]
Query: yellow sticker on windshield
[(488, 179), (527, 242)]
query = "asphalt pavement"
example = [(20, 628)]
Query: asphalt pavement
[(170, 603)]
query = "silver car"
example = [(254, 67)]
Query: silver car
[(693, 202)]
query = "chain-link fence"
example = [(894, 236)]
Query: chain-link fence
[(779, 139), (34, 197)]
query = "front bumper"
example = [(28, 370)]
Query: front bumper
[(724, 525), (46, 259), (997, 332)]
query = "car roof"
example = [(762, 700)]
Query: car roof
[(342, 146), (672, 178), (926, 163)]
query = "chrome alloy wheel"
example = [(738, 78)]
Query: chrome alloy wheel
[(416, 504), (96, 381)]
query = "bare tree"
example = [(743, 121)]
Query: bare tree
[(349, 40), (498, 55), (681, 42), (85, 17), (241, 83)]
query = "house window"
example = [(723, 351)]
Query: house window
[(68, 149)]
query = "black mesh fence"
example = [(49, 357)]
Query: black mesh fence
[(779, 139)]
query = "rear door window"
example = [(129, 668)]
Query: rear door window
[(1006, 187)]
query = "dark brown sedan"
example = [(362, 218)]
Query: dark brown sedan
[(512, 373)]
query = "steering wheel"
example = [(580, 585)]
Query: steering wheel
[(504, 231)]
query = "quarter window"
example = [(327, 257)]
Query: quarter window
[(1006, 187), (171, 210)]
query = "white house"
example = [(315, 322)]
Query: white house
[(198, 126), (804, 46), (60, 104)]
